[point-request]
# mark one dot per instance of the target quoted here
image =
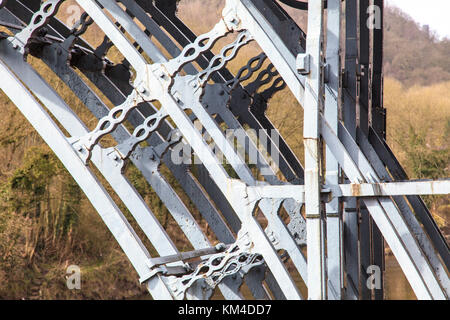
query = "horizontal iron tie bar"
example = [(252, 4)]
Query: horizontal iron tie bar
[(154, 262)]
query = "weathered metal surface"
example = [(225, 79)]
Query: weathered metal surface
[(174, 109)]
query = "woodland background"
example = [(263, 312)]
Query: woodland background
[(47, 223)]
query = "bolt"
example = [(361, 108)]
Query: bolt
[(142, 90), (232, 20), (220, 247)]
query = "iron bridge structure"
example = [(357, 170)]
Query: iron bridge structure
[(285, 227)]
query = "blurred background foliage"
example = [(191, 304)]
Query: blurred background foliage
[(46, 222)]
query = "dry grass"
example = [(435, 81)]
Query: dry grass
[(107, 273), (427, 109)]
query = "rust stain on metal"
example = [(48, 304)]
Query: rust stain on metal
[(356, 189)]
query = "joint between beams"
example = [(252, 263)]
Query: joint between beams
[(313, 216)]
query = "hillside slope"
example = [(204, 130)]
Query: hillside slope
[(414, 55), (46, 223)]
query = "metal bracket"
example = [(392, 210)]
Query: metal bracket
[(303, 63)]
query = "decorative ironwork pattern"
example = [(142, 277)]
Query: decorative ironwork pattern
[(175, 113)]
